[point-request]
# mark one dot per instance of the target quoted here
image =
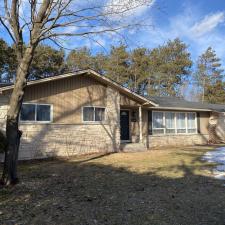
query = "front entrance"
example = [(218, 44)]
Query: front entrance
[(124, 125)]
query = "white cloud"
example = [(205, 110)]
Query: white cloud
[(207, 24), (181, 26), (127, 8)]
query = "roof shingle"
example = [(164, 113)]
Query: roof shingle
[(175, 102)]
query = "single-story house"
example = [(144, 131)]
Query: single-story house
[(85, 112)]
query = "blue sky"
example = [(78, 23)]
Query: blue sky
[(199, 23)]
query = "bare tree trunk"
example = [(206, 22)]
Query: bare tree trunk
[(13, 134)]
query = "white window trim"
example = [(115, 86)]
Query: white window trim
[(35, 121), (164, 124), (174, 128), (93, 122)]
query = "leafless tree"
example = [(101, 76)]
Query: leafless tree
[(29, 22)]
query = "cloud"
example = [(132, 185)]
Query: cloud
[(208, 23), (127, 8), (184, 26)]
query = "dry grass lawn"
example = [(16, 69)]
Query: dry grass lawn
[(170, 186)]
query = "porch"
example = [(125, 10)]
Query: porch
[(133, 128)]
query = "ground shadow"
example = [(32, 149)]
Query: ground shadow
[(74, 192)]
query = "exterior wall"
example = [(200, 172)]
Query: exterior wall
[(204, 122), (67, 135), (126, 101), (155, 141), (71, 139), (3, 110), (220, 128), (68, 96), (168, 139)]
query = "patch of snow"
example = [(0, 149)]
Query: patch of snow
[(217, 156)]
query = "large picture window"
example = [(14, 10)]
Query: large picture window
[(170, 122), (158, 127), (31, 112), (174, 122), (93, 114), (191, 122), (181, 123)]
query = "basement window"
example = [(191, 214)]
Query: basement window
[(33, 112)]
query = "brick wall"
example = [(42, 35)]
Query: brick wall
[(40, 141), (3, 110), (154, 141)]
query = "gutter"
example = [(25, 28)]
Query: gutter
[(180, 108)]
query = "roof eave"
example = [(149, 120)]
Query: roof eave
[(89, 72), (182, 108), (119, 86)]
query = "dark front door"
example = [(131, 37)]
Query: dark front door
[(124, 125)]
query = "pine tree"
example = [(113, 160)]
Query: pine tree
[(170, 67), (117, 64), (139, 70), (209, 77), (79, 59), (7, 62), (47, 62)]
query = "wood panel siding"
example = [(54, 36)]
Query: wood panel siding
[(126, 101), (68, 96)]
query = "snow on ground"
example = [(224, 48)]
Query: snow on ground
[(217, 156)]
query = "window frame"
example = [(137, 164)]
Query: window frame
[(175, 118), (94, 121), (37, 121), (175, 123), (196, 123), (157, 128)]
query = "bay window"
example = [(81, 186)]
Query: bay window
[(174, 122)]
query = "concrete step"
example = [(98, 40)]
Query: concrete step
[(132, 147)]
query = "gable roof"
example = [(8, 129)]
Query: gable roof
[(93, 74), (170, 103), (179, 103)]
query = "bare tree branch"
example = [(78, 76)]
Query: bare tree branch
[(8, 30)]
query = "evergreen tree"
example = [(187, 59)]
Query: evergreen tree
[(117, 64), (209, 77), (139, 70), (47, 62), (79, 59), (82, 58), (7, 61), (170, 67)]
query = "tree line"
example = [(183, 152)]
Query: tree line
[(161, 71)]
